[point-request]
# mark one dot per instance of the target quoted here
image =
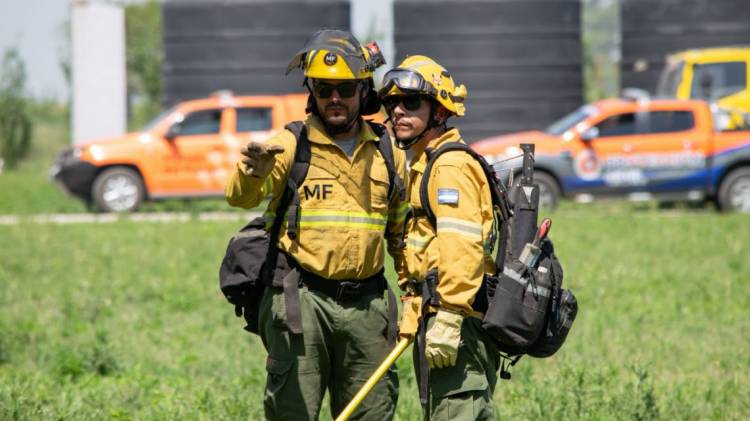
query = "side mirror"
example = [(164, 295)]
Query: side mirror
[(173, 132), (590, 134)]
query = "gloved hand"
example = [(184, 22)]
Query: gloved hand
[(443, 338), (259, 158), (409, 316)]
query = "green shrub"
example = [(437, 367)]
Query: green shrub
[(15, 124)]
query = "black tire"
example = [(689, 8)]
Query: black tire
[(117, 189), (549, 191), (734, 191)]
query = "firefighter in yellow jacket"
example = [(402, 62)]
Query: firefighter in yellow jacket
[(345, 212), (453, 256)]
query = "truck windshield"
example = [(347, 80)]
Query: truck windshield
[(154, 121), (562, 125), (716, 80), (670, 79)]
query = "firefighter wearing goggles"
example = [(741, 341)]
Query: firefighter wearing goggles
[(345, 212), (420, 76), (450, 258)]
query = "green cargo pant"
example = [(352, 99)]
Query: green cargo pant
[(341, 345), (464, 391)]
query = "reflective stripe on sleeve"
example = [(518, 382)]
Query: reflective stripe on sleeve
[(463, 227), (417, 243)]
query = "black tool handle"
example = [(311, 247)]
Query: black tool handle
[(525, 199)]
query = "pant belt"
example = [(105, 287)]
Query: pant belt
[(346, 289), (290, 276)]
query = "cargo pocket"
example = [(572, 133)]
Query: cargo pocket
[(457, 384), (278, 375), (470, 405), (379, 188)]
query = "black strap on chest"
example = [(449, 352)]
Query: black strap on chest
[(296, 177)]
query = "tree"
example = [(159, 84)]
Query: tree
[(15, 124), (144, 54), (600, 21)]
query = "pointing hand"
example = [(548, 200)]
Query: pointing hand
[(259, 158)]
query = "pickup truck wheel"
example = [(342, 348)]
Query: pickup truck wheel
[(549, 192), (117, 189), (734, 191)]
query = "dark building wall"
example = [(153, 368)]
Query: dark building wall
[(652, 29), (244, 46), (519, 59)]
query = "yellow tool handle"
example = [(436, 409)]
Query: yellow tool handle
[(389, 360)]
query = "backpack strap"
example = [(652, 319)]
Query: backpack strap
[(290, 201), (296, 176), (395, 184)]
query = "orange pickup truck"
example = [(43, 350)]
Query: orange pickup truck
[(636, 148), (187, 151)]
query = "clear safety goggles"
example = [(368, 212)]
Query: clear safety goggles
[(407, 81)]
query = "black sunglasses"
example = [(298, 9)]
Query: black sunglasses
[(411, 102), (324, 90)]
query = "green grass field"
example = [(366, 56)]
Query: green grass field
[(125, 321)]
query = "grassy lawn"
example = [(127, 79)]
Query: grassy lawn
[(125, 321)]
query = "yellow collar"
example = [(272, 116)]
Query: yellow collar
[(419, 163)]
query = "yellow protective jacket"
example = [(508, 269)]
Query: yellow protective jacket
[(344, 211), (459, 246)]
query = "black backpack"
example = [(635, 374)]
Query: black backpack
[(251, 255), (526, 310)]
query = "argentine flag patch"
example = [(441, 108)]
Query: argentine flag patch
[(447, 197)]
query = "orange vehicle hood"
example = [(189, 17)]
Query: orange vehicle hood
[(127, 138), (497, 146)]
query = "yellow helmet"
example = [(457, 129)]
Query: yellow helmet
[(336, 54), (422, 75), (325, 64)]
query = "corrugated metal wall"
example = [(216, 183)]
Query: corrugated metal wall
[(519, 59), (652, 29), (244, 46)]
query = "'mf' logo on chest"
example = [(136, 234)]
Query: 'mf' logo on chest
[(318, 190)]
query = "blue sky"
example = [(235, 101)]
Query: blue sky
[(37, 29)]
